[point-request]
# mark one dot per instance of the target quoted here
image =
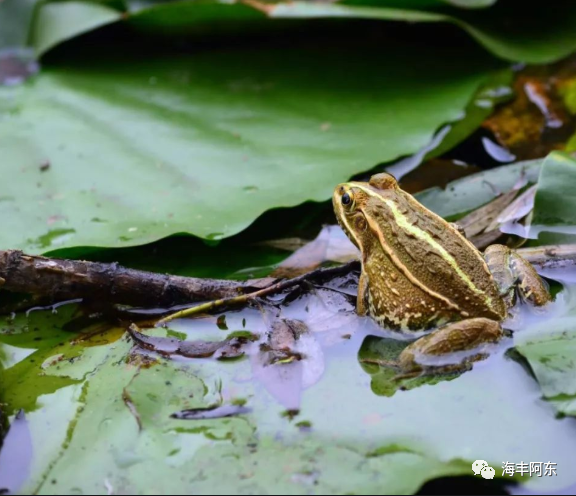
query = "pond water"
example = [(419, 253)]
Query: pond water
[(93, 404)]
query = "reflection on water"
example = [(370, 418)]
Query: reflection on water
[(16, 455), (326, 397)]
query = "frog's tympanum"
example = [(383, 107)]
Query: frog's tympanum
[(419, 272)]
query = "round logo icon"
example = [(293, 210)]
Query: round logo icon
[(478, 465), (488, 472)]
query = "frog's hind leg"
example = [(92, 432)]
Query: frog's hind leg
[(512, 272), (449, 349)]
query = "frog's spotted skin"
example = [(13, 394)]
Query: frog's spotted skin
[(420, 272)]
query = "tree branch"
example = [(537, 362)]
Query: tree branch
[(53, 280), (56, 280)]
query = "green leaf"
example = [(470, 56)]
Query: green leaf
[(513, 30), (555, 203), (571, 145), (142, 149), (471, 4), (197, 16), (551, 353), (61, 21), (15, 19), (466, 194), (550, 348)]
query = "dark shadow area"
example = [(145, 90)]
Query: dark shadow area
[(466, 485)]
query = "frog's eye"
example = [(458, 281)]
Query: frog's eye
[(346, 199)]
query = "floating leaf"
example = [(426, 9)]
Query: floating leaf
[(555, 203)]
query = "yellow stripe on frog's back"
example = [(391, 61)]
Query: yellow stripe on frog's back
[(403, 222)]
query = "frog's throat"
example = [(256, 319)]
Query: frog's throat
[(415, 231)]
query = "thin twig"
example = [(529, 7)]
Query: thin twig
[(272, 289)]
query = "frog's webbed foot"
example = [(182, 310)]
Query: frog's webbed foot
[(513, 273), (450, 349)]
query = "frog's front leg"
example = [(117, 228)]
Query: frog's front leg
[(362, 300), (450, 348), (512, 272)]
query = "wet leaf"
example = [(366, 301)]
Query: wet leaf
[(550, 348), (466, 194), (551, 355), (174, 144), (57, 22), (555, 202), (331, 244)]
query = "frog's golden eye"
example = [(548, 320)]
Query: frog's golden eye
[(347, 200)]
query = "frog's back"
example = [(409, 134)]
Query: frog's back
[(433, 263)]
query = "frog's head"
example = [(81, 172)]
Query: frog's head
[(357, 203)]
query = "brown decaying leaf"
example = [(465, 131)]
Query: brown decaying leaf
[(536, 121), (477, 221)]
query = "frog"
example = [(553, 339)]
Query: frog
[(420, 274)]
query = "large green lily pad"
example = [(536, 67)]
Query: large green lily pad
[(514, 30), (137, 150)]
